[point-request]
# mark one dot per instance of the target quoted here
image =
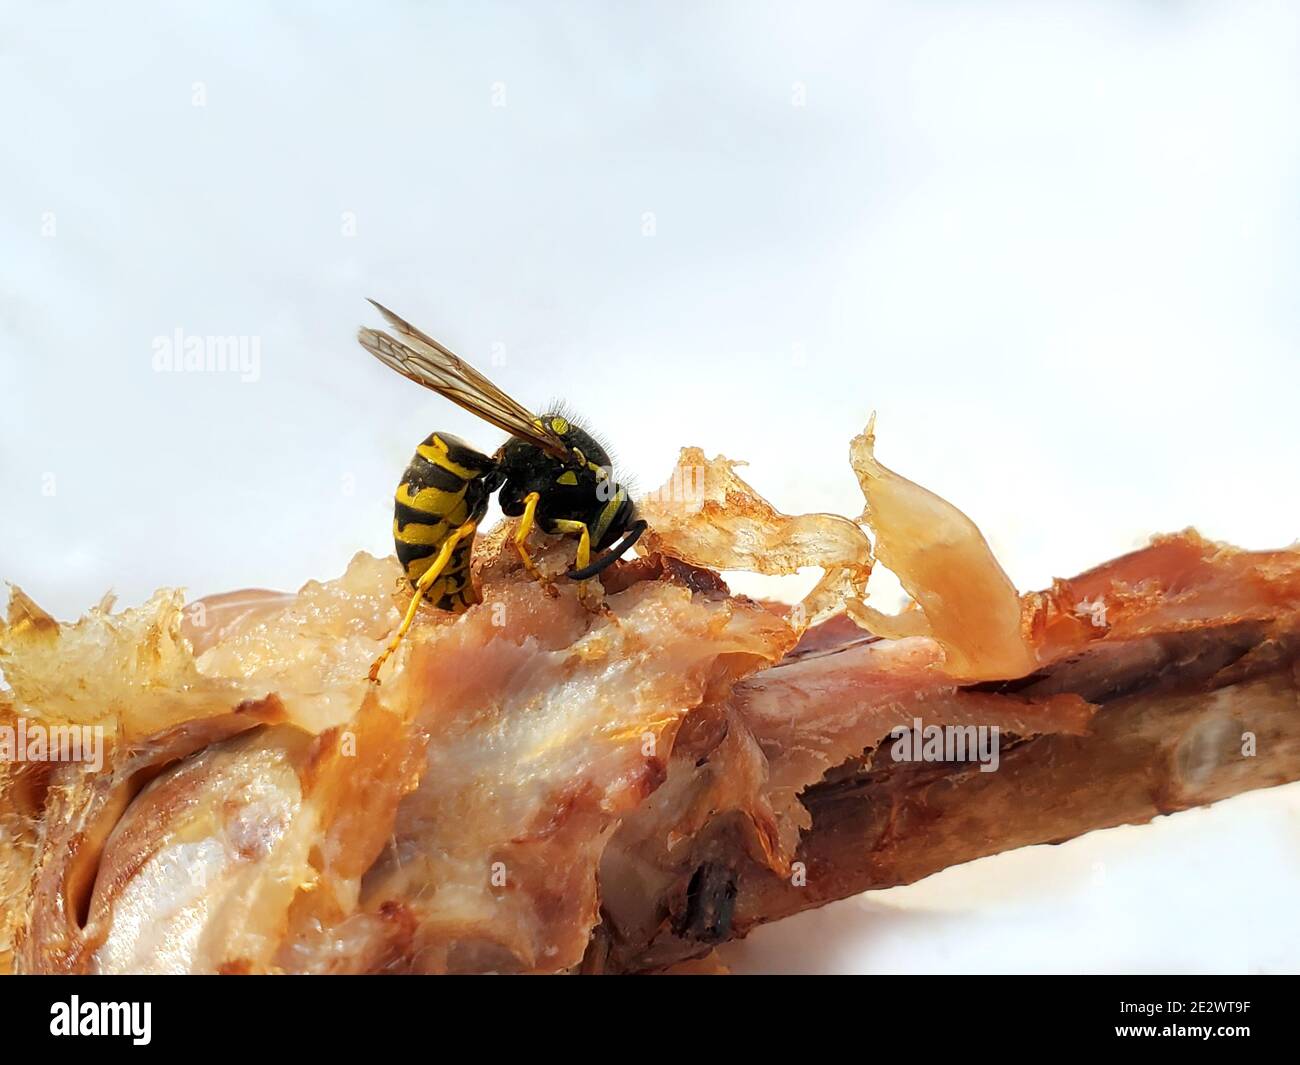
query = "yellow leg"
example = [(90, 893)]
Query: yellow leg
[(421, 586), (584, 539), (526, 523), (589, 598)]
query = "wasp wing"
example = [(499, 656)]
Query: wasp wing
[(426, 362)]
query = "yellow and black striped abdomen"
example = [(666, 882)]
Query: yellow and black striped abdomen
[(445, 485)]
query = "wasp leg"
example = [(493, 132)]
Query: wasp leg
[(584, 538), (521, 534), (633, 534), (564, 525), (421, 586)]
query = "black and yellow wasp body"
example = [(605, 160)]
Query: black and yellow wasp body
[(447, 484), (551, 473), (569, 494)]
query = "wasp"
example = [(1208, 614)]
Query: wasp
[(550, 474)]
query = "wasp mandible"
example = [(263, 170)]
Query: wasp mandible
[(550, 473)]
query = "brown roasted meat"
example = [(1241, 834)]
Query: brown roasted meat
[(547, 784)]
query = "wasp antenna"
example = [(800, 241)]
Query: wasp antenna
[(611, 556)]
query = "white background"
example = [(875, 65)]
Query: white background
[(1056, 246)]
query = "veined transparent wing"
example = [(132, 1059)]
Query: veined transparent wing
[(416, 355)]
